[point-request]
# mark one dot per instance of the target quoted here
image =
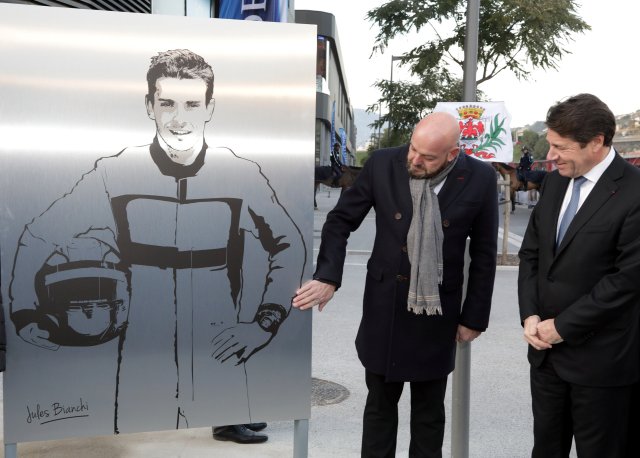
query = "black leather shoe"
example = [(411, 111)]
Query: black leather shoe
[(256, 426), (239, 434)]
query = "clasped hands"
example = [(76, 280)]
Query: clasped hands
[(541, 335)]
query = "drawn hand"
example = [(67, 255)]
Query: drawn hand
[(240, 341), (313, 293), (32, 334)]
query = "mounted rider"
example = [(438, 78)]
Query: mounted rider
[(336, 163), (524, 167)]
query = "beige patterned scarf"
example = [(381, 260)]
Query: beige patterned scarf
[(424, 244)]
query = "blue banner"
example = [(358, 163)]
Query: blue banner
[(254, 10), (343, 139), (333, 127)]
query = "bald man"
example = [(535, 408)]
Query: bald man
[(428, 199)]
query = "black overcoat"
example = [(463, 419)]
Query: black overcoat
[(391, 340)]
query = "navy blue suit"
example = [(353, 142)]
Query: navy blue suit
[(589, 285)]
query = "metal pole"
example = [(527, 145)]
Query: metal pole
[(390, 102), (300, 438), (10, 450), (379, 124), (471, 50), (460, 400), (507, 214), (393, 59), (462, 374), (461, 386), (291, 11)]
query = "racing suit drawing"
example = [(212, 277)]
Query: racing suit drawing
[(183, 254)]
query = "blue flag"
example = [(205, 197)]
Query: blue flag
[(333, 127), (343, 137), (254, 10)]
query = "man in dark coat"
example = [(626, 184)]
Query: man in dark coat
[(428, 199), (578, 287), (336, 163)]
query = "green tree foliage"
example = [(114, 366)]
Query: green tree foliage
[(361, 157), (541, 148), (409, 102), (529, 139), (515, 35), (389, 138)]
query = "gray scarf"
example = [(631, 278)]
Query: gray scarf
[(424, 244)]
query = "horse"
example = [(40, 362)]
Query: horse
[(324, 175), (534, 180)]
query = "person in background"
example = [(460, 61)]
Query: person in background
[(336, 163), (524, 166), (532, 196)]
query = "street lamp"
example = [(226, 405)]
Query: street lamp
[(379, 117), (393, 59)]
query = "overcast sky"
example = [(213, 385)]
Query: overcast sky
[(603, 61)]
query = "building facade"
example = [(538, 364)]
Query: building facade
[(331, 88)]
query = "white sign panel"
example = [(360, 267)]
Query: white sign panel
[(485, 131)]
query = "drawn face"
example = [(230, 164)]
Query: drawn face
[(180, 112), (570, 157)]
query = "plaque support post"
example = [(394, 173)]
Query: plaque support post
[(300, 438), (461, 389), (10, 450)]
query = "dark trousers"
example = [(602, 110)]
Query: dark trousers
[(380, 425), (596, 417), (633, 434)]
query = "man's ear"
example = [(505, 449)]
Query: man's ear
[(210, 107), (598, 141), (453, 153), (149, 104)]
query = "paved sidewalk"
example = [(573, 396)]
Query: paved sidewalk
[(500, 424)]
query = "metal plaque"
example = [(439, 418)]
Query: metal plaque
[(155, 220)]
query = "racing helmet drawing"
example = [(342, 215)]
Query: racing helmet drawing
[(82, 303)]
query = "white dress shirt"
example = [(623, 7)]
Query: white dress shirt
[(592, 177)]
